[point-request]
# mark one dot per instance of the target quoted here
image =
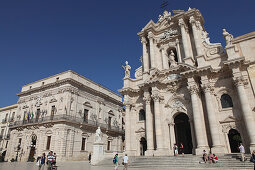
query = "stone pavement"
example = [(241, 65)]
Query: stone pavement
[(72, 165)]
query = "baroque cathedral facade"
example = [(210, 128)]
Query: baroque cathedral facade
[(189, 90)]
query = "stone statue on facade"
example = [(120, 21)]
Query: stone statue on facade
[(172, 59), (228, 37), (98, 135), (127, 69)]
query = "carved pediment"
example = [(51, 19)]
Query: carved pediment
[(229, 119), (53, 100), (141, 130), (87, 104)]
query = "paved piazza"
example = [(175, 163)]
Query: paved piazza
[(75, 165)]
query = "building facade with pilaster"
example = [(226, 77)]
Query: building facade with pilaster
[(7, 115), (61, 114), (189, 90)]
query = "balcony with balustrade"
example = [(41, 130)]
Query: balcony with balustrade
[(67, 119)]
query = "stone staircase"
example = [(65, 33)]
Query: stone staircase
[(230, 161)]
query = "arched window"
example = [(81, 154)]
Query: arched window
[(226, 101), (141, 115)]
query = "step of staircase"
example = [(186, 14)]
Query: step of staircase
[(229, 161)]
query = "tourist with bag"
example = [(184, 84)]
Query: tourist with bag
[(125, 162), (115, 162), (42, 162)]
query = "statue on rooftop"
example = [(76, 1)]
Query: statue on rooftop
[(127, 70), (228, 37)]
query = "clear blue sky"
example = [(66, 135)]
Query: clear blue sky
[(40, 38)]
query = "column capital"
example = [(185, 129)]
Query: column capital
[(177, 41), (240, 81), (207, 87), (193, 89), (181, 22), (147, 99), (143, 40), (192, 20), (150, 36), (156, 96)]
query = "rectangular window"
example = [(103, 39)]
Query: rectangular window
[(86, 115), (83, 142), (6, 144), (48, 143), (109, 122), (109, 145), (2, 133), (19, 141), (37, 114)]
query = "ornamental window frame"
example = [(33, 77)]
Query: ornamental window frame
[(218, 98)]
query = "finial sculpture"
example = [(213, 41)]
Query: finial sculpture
[(228, 37), (127, 69)]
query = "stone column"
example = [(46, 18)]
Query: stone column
[(246, 109), (198, 120), (127, 129), (178, 51), (217, 147), (149, 124), (159, 140), (152, 54), (164, 58), (184, 38), (145, 55), (196, 36)]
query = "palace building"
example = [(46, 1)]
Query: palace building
[(61, 114), (189, 90)]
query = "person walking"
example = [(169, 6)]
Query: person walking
[(175, 150), (125, 161), (115, 161), (42, 162), (89, 157), (181, 151), (253, 158), (241, 148), (50, 158)]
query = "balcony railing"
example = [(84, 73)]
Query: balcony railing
[(64, 118)]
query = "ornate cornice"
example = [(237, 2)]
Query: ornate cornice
[(76, 89)]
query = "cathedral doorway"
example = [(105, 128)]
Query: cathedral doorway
[(183, 132), (143, 146), (235, 139), (32, 148)]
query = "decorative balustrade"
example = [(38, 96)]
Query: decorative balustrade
[(64, 118)]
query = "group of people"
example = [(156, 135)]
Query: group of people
[(178, 150), (211, 158), (124, 162), (50, 161)]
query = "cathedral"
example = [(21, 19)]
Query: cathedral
[(190, 91)]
